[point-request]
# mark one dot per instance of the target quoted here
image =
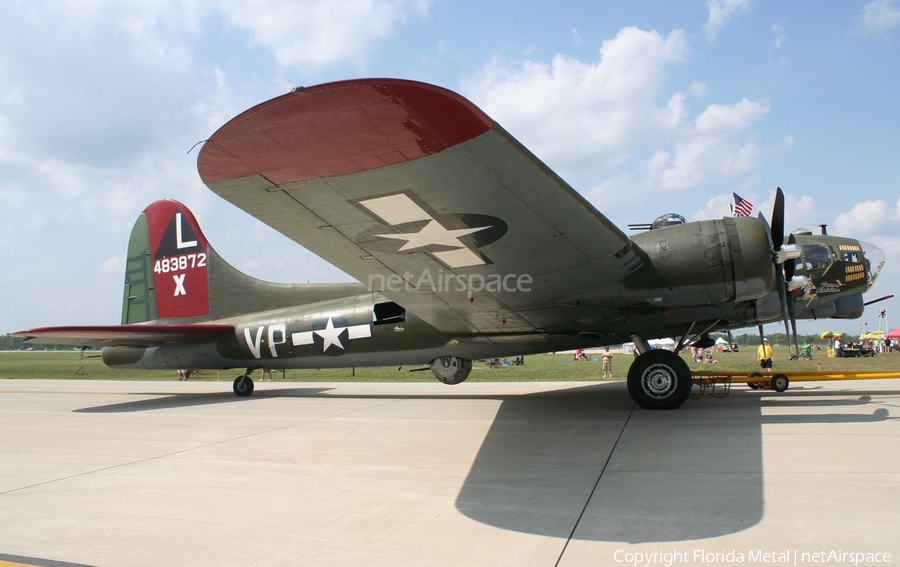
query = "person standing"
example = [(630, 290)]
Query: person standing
[(764, 355), (607, 363)]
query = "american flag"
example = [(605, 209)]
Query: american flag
[(741, 207)]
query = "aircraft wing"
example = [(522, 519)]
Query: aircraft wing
[(124, 335), (413, 190)]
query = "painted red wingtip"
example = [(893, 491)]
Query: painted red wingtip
[(340, 128)]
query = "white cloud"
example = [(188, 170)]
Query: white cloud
[(720, 12), (699, 89), (609, 106), (867, 217), (730, 118), (612, 107), (890, 245), (302, 33), (576, 37), (717, 207), (97, 84), (879, 16), (780, 36)]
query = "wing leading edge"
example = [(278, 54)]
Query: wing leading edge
[(124, 335), (413, 190)]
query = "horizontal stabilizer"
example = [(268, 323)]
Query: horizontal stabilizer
[(124, 335)]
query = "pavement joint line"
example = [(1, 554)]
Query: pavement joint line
[(596, 484), (204, 446)]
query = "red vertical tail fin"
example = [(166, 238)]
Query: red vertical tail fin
[(166, 275)]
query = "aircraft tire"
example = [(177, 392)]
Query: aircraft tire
[(780, 382), (659, 380), (243, 386), (451, 370)]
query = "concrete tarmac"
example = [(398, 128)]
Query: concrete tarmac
[(107, 473)]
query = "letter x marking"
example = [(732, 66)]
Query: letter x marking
[(179, 284)]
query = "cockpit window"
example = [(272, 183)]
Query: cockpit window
[(814, 257), (874, 261)]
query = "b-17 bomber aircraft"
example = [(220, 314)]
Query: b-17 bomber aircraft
[(466, 246)]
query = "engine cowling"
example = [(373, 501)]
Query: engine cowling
[(705, 263)]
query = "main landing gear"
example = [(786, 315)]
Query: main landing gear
[(659, 379), (450, 369), (243, 384)]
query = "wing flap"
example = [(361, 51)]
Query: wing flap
[(124, 335)]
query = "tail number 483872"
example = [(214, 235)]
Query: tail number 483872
[(180, 263)]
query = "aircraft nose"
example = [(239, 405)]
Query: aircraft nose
[(874, 261)]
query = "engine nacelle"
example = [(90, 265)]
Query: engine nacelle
[(704, 263)]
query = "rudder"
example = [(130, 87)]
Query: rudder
[(166, 273)]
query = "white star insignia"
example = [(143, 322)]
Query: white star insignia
[(331, 335), (401, 209), (433, 233)]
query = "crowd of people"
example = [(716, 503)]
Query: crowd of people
[(853, 348)]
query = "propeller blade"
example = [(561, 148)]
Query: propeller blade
[(782, 297), (768, 229), (775, 232), (778, 220), (793, 326), (790, 265), (785, 272)]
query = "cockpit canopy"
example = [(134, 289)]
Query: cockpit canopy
[(668, 219)]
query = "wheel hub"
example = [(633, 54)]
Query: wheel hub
[(659, 381)]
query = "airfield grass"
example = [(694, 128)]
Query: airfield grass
[(68, 365)]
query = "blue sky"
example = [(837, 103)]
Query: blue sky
[(645, 107)]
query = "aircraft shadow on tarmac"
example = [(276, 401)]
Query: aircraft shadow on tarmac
[(16, 560), (167, 400), (588, 465), (585, 463)]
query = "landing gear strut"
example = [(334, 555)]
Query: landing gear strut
[(450, 369), (659, 379), (243, 385)]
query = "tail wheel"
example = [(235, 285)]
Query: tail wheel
[(450, 369), (659, 379), (243, 386), (780, 382)]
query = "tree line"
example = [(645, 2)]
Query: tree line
[(752, 339), (9, 342)]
